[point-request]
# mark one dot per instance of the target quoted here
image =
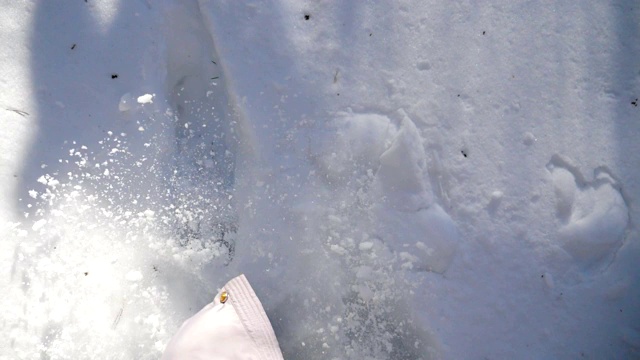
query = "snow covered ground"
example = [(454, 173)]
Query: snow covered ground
[(398, 179)]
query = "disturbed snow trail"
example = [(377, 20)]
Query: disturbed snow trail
[(181, 182), (333, 205)]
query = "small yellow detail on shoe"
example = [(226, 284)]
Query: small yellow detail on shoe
[(224, 296)]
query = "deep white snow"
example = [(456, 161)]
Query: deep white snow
[(397, 179)]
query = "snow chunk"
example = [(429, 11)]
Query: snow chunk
[(366, 245), (146, 99), (402, 171), (528, 139), (495, 200), (134, 276), (48, 180), (338, 249), (38, 224)]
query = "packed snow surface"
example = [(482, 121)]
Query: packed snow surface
[(397, 179)]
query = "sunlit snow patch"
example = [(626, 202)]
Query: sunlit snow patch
[(104, 12), (112, 255)]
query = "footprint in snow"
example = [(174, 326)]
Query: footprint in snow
[(410, 221), (406, 214), (594, 213)]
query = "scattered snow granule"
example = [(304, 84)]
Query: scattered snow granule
[(405, 256), (141, 128), (133, 276), (38, 224), (33, 193), (528, 139), (146, 99), (366, 245), (106, 172), (48, 180), (338, 249)]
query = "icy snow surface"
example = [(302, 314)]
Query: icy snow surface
[(398, 179)]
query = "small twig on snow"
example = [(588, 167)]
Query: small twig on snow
[(19, 112)]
